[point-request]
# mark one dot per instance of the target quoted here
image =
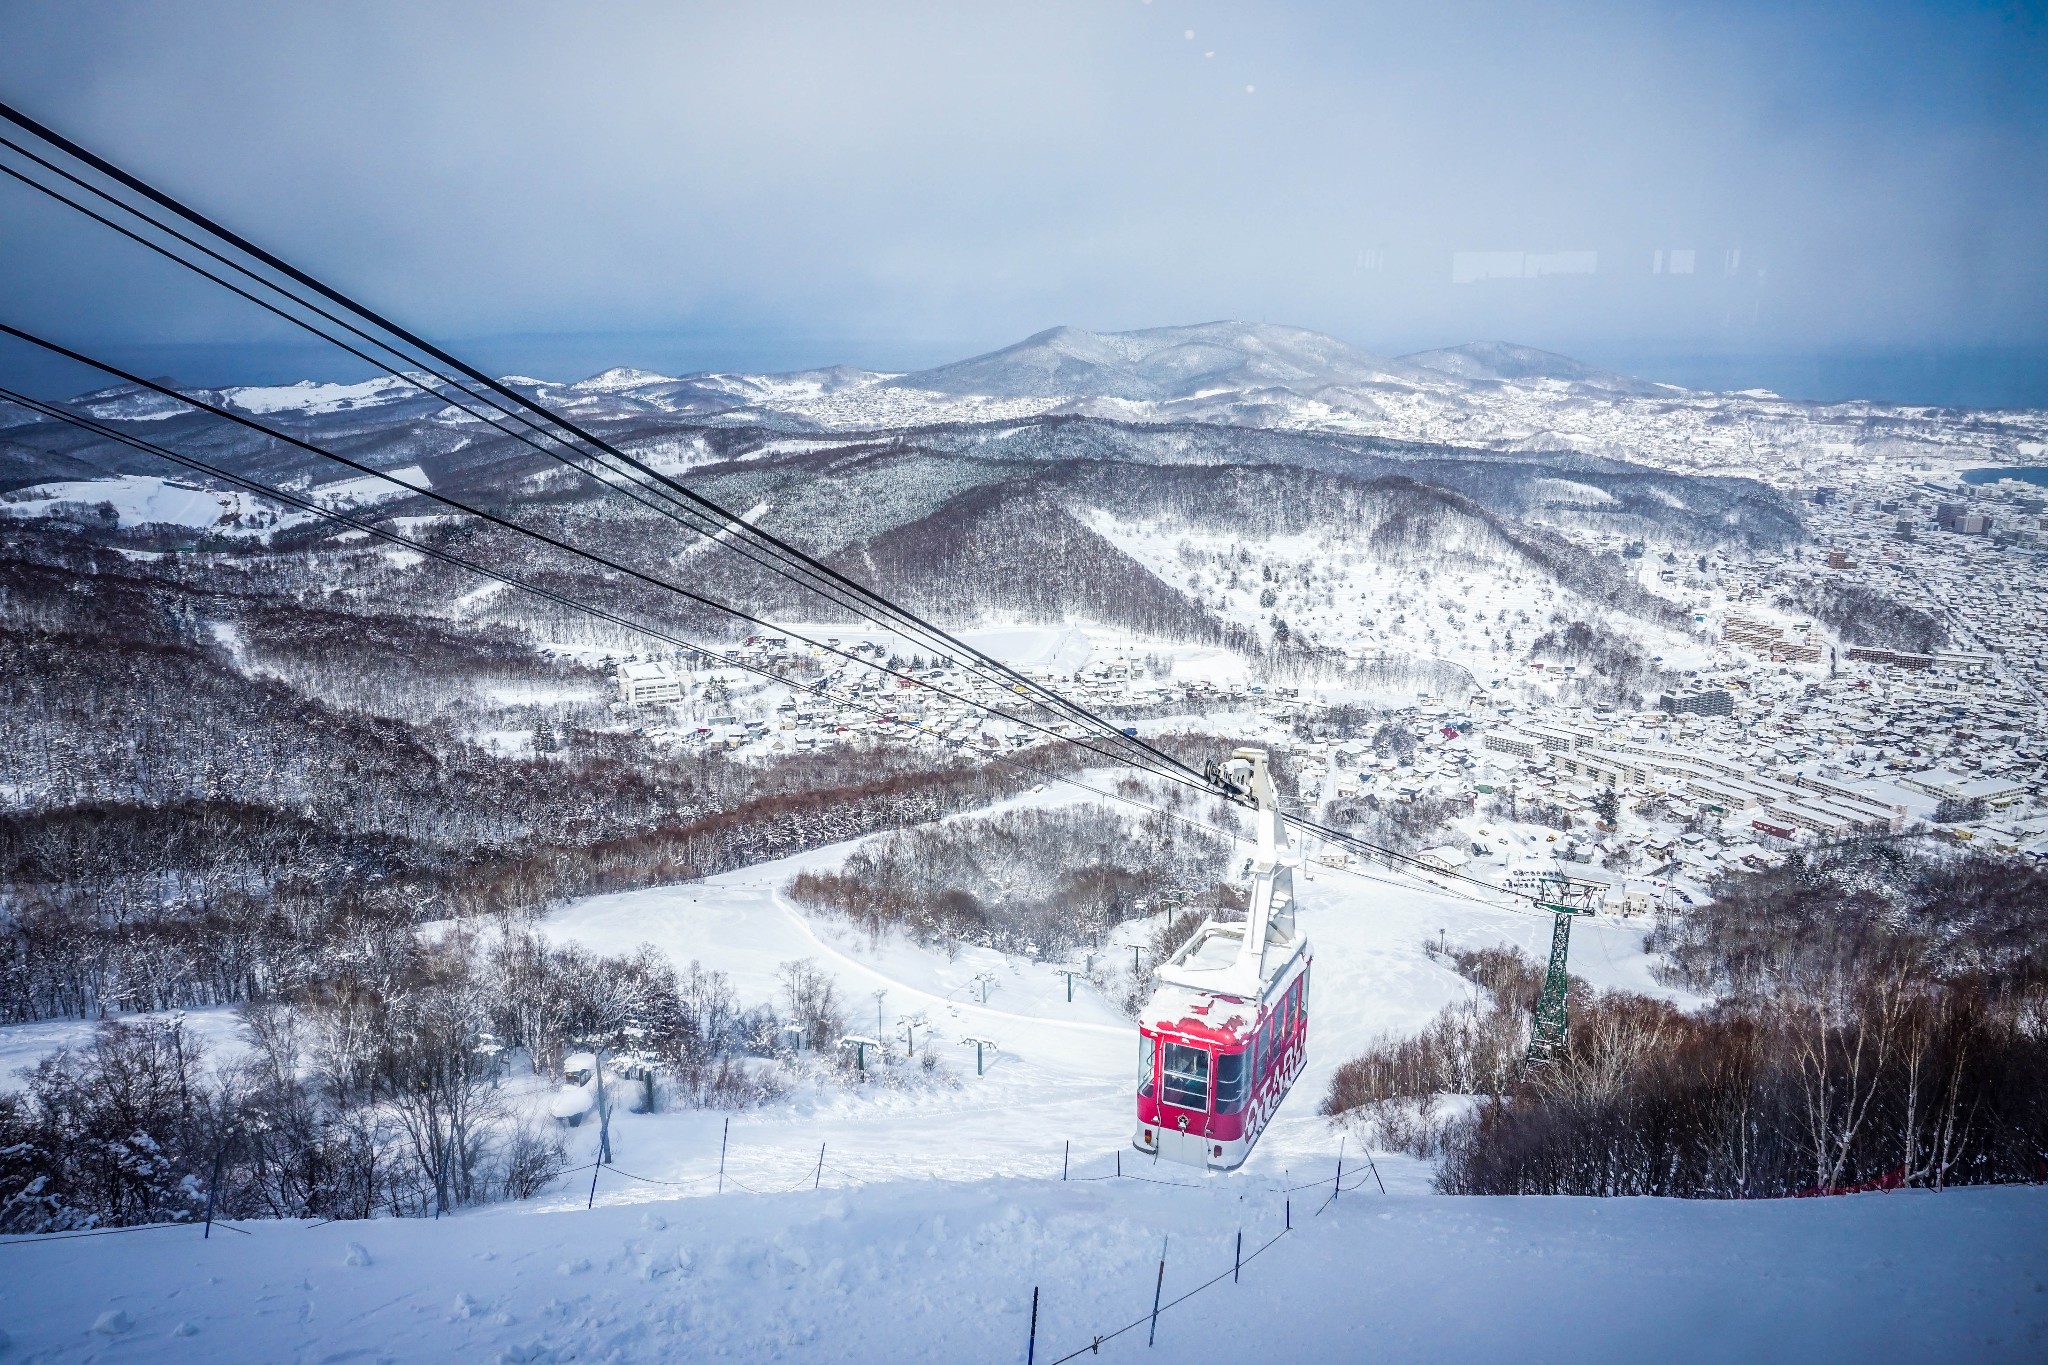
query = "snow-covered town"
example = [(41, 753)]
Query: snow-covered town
[(1775, 730)]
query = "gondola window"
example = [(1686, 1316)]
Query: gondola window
[(1187, 1076)]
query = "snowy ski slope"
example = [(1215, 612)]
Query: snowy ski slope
[(939, 1208)]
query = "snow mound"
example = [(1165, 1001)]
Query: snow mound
[(618, 378), (1157, 363)]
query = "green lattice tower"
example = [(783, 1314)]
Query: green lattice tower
[(1564, 898)]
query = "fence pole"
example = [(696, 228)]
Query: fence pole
[(1290, 1215), (1066, 1153), (595, 1167), (218, 1152), (1375, 1170), (1152, 1333), (821, 1167), (1237, 1260), (604, 1114), (1119, 1163), (1031, 1346), (1338, 1187), (723, 1135)]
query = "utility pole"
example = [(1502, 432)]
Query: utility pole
[(880, 1031), (213, 1187), (911, 1024), (604, 1112)]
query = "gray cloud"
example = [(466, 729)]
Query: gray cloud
[(900, 184)]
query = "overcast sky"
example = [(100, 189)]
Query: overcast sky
[(770, 185)]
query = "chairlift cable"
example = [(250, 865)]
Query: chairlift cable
[(436, 552), (542, 537)]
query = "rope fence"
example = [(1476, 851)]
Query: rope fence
[(1096, 1344), (814, 1172), (815, 1168), (109, 1232), (1340, 1182)]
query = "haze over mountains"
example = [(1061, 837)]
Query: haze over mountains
[(1211, 370), (1482, 396)]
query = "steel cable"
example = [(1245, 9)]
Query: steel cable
[(815, 575), (820, 577), (378, 531)]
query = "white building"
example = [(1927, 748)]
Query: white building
[(1993, 791), (650, 684)]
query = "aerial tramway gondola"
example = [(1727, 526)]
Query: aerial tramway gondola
[(1225, 1033)]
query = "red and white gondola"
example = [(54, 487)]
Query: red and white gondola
[(1224, 1035)]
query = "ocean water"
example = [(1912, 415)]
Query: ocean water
[(2031, 473), (1950, 377)]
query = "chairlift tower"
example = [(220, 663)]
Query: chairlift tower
[(980, 1045), (860, 1048), (1565, 897)]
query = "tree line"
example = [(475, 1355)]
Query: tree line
[(387, 1089), (1036, 882), (1878, 1018)]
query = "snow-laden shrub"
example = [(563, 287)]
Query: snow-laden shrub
[(1472, 1047), (1881, 1019)]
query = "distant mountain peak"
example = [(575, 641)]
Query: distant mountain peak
[(1158, 364), (620, 377)]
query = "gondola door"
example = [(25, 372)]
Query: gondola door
[(1186, 1075)]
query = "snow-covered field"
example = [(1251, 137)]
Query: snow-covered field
[(1062, 1070), (919, 1271), (137, 500), (939, 1206), (218, 1031)]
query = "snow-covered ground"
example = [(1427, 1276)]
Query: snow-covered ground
[(217, 1030), (1062, 1070), (367, 490), (137, 500), (914, 1270), (939, 1206), (312, 397), (1482, 594)]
